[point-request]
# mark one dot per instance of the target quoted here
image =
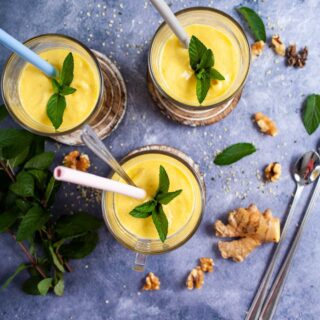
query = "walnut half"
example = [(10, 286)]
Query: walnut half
[(152, 282), (195, 279), (273, 171), (75, 160), (265, 124), (257, 48), (206, 264), (278, 46)]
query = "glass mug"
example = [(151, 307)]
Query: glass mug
[(11, 95), (183, 111), (150, 246)]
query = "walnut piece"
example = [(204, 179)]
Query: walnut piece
[(206, 264), (195, 279), (265, 124), (152, 282), (257, 48), (296, 59), (278, 46), (273, 171), (75, 160)]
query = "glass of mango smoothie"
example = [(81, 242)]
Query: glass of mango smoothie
[(183, 213), (26, 90), (171, 80)]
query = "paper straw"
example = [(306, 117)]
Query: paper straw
[(90, 180), (172, 21), (25, 53)]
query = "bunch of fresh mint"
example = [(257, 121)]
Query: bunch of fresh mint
[(27, 192), (202, 62), (154, 207)]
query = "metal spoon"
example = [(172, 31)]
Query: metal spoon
[(273, 297), (93, 142), (303, 174)]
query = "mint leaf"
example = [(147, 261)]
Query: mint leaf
[(7, 219), (75, 225), (40, 177), (20, 268), (207, 60), (14, 141), (3, 112), (30, 286), (59, 288), (66, 75), (216, 75), (161, 222), (202, 88), (311, 113), (51, 190), (34, 219), (55, 85), (55, 109), (196, 51), (80, 247), (165, 198), (41, 162), (144, 210), (44, 286), (234, 153), (163, 181), (65, 91), (19, 158), (24, 186), (55, 259), (255, 23)]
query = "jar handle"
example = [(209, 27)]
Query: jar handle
[(140, 262)]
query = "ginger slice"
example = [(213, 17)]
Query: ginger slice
[(252, 226), (238, 250)]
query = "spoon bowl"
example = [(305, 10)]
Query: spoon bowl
[(307, 168)]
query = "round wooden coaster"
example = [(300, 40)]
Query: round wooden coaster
[(113, 108), (190, 117)]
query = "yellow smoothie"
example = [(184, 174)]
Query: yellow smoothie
[(176, 77), (35, 89), (144, 171)]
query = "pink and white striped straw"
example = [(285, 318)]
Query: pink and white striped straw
[(90, 180)]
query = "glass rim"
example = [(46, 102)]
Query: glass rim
[(49, 134), (157, 148), (215, 105)]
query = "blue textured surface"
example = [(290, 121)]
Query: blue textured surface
[(103, 285)]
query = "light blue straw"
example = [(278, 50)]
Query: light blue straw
[(26, 54)]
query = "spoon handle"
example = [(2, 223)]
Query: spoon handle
[(257, 304), (272, 299), (93, 142)]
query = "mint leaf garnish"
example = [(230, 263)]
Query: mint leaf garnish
[(161, 222), (234, 153), (202, 62), (311, 113), (57, 102), (154, 207), (55, 109), (255, 23), (66, 75), (165, 198), (216, 75)]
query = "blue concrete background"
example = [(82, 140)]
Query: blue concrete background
[(103, 285)]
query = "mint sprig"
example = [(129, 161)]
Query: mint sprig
[(57, 102), (202, 62), (154, 207)]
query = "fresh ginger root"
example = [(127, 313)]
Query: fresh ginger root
[(252, 226)]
